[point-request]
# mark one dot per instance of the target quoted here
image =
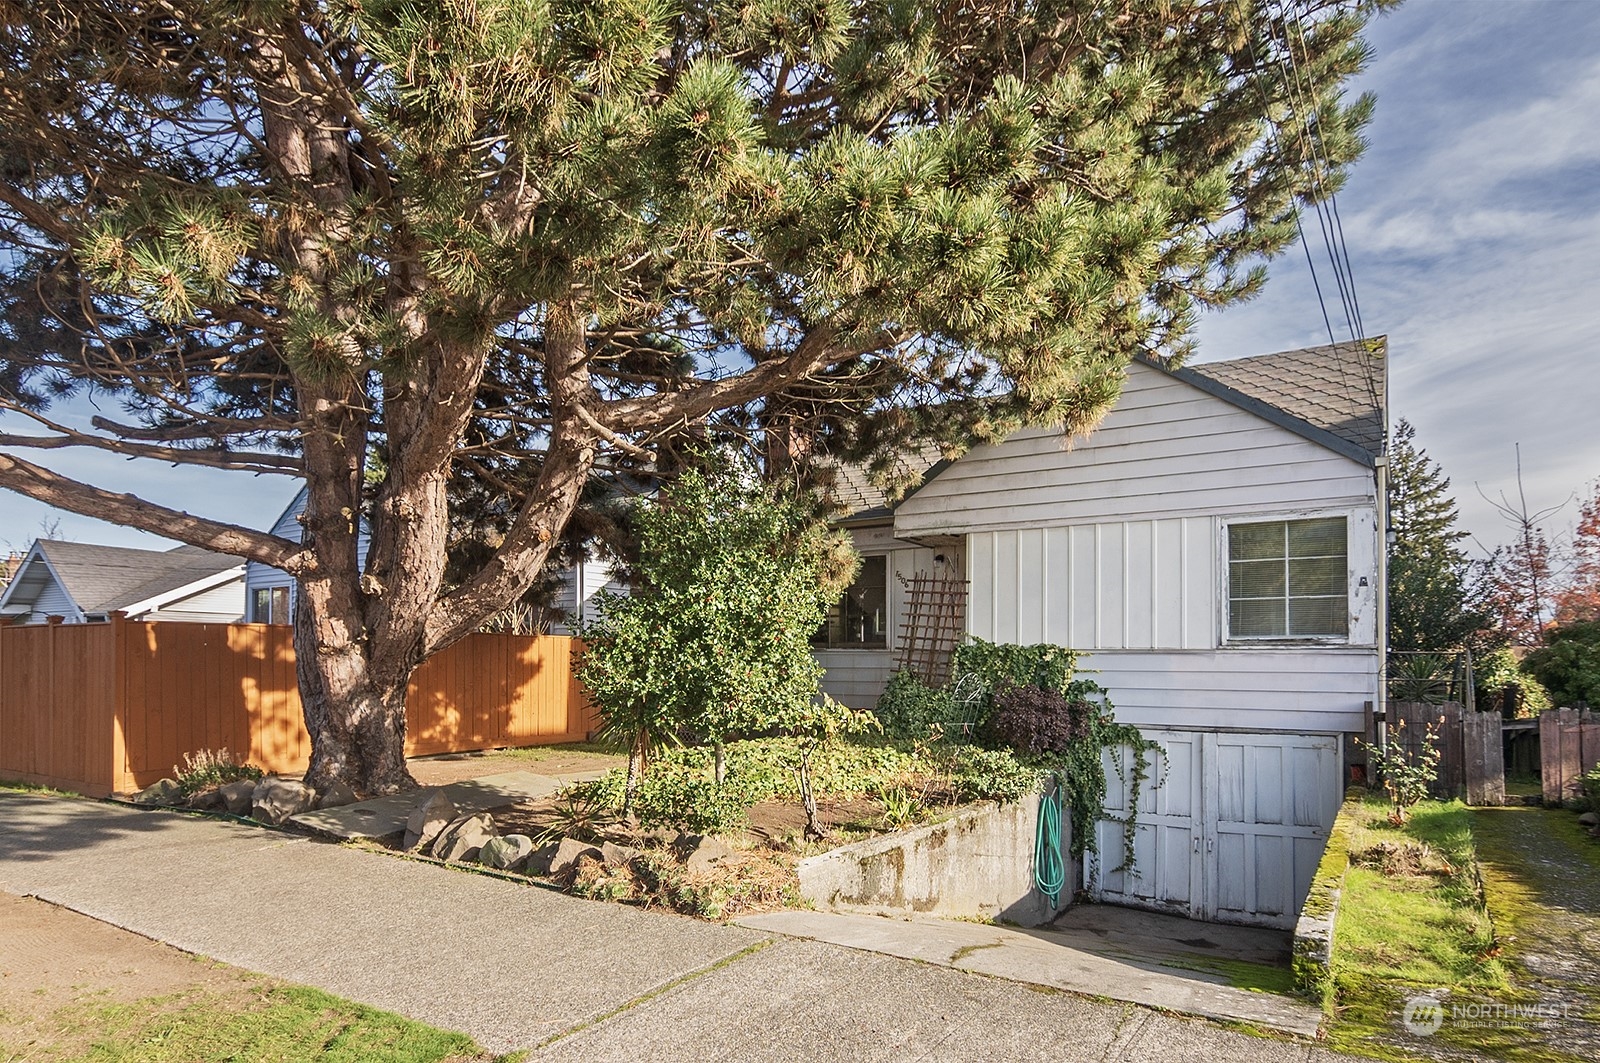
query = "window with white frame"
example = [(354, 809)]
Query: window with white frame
[(1289, 579)]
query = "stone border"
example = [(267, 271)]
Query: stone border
[(1313, 932)]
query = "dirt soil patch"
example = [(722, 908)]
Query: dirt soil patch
[(53, 958), (558, 760), (773, 825)]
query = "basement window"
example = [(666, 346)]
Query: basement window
[(860, 619), (1289, 579)]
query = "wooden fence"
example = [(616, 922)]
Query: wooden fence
[(1471, 760), (1569, 746), (103, 708)]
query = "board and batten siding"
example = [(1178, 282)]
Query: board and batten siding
[(856, 677), (1116, 548)]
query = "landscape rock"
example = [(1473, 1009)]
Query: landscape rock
[(616, 856), (662, 837), (160, 792), (463, 838), (275, 800), (237, 796), (336, 795), (205, 800), (567, 854), (701, 852), (506, 853), (1590, 819), (539, 861), (431, 814)]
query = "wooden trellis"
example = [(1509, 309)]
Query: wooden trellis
[(936, 613)]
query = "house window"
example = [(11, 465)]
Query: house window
[(1288, 579), (271, 605), (861, 616)]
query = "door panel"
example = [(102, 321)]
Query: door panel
[(1287, 785), (1230, 828), (1167, 861)]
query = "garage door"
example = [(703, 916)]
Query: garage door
[(1230, 826)]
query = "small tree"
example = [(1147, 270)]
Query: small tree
[(1579, 600), (733, 579), (1406, 773), (816, 725)]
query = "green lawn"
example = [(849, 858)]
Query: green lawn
[(284, 1024), (1413, 920)]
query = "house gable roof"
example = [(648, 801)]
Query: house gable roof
[(1334, 395), (102, 579)]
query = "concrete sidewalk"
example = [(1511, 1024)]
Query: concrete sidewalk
[(516, 966)]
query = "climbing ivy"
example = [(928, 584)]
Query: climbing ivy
[(1008, 690)]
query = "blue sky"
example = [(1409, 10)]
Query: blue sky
[(1473, 227)]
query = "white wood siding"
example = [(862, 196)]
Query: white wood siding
[(856, 677), (1166, 450), (219, 605), (1116, 548), (579, 586)]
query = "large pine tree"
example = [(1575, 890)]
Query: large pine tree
[(1429, 600), (382, 245)]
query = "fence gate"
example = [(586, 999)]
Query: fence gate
[(1471, 755), (1569, 746)]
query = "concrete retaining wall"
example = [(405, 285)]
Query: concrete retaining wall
[(1313, 932), (978, 863)]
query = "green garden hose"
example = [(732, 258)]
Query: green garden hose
[(1049, 869)]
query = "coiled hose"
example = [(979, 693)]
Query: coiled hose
[(1049, 869)]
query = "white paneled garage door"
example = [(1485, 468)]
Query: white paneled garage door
[(1230, 826)]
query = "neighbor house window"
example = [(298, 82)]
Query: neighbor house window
[(861, 617), (271, 605), (1288, 579)]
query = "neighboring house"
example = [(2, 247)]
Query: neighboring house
[(83, 583), (270, 592), (1214, 549)]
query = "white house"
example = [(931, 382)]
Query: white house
[(82, 583), (1215, 551), (269, 592)]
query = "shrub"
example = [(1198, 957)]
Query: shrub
[(675, 796), (209, 768), (978, 774), (1569, 665), (1497, 677), (1406, 773), (1031, 719), (910, 709)]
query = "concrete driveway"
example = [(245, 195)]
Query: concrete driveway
[(517, 966)]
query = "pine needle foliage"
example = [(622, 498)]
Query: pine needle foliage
[(549, 237)]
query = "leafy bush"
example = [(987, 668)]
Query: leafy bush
[(1031, 719), (978, 774), (910, 709), (675, 796), (1407, 773), (1589, 786), (209, 768), (1000, 665), (1569, 664), (715, 639), (1497, 676), (763, 769)]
